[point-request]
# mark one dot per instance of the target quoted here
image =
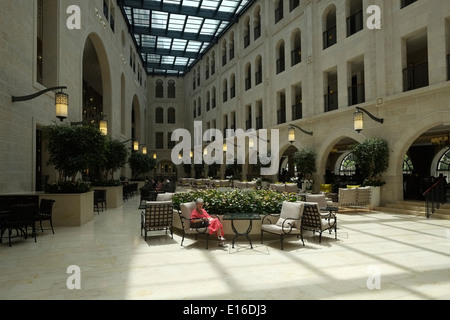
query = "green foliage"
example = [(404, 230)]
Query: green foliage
[(141, 164), (372, 157), (220, 201), (68, 187), (73, 149), (305, 160), (116, 156)]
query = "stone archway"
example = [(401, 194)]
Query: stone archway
[(96, 79)]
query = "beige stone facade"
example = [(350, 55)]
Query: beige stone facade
[(336, 63)]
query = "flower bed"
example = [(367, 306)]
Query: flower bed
[(218, 201)]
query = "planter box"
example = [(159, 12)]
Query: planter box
[(114, 196), (71, 209), (375, 199)]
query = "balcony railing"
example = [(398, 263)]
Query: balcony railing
[(296, 56), (248, 84), (297, 111), (415, 77), (280, 65), (259, 123), (331, 101), (279, 13), (257, 32), (281, 116), (355, 23), (246, 41), (448, 67), (356, 94), (258, 77), (248, 124), (330, 37)]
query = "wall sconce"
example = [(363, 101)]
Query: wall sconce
[(104, 126), (358, 119), (291, 132), (61, 100), (144, 150)]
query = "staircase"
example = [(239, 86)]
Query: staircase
[(416, 208)]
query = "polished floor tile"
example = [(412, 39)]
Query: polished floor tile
[(376, 256)]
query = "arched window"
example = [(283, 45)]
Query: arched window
[(159, 115), (444, 164), (232, 86), (159, 90), (408, 166), (296, 48), (329, 30), (225, 90), (347, 167), (171, 93), (248, 77), (171, 116), (258, 73), (280, 58)]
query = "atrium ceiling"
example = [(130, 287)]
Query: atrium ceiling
[(172, 35)]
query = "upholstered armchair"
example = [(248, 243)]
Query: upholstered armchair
[(185, 213), (287, 223)]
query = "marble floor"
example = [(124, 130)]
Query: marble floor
[(376, 256)]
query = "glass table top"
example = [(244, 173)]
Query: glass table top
[(242, 216)]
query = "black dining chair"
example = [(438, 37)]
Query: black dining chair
[(22, 217), (45, 212), (99, 200)]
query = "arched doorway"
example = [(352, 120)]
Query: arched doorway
[(96, 99)]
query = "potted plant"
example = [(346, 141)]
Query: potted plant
[(141, 165), (115, 157), (372, 158), (305, 160), (73, 149)]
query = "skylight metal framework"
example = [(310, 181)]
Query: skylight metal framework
[(172, 35)]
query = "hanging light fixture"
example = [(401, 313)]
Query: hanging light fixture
[(62, 105), (144, 150), (136, 145), (61, 100), (358, 119), (291, 132)]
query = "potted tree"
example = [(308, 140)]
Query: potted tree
[(305, 160), (73, 149), (115, 157), (141, 165), (372, 158)]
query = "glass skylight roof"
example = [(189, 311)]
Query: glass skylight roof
[(172, 35)]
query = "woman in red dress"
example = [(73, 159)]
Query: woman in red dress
[(215, 226)]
